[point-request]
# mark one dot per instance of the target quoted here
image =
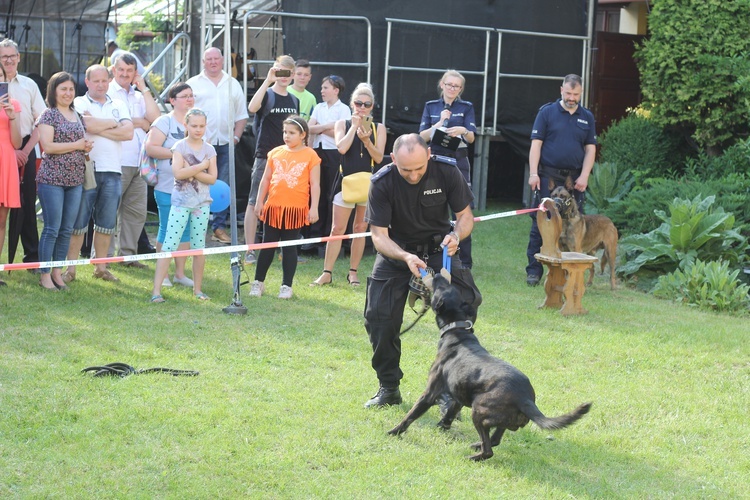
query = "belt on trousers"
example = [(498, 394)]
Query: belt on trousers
[(458, 154), (420, 249), (558, 173)]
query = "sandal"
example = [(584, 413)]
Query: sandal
[(157, 299), (316, 283), (53, 289), (202, 296), (352, 282)]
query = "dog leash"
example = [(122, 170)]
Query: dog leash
[(123, 370), (425, 294)]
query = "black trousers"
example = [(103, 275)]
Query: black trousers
[(330, 161), (387, 291), (288, 254), (462, 162), (27, 228)]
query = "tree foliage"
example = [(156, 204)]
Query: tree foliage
[(695, 69), (128, 34)]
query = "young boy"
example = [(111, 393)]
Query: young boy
[(302, 76)]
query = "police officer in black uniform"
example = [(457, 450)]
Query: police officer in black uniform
[(563, 143), (409, 213), (456, 117)]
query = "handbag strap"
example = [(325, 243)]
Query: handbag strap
[(372, 161), (375, 141)]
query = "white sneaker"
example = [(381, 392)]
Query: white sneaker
[(166, 282), (183, 281), (285, 292), (257, 288), (250, 257)]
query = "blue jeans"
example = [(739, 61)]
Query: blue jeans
[(222, 168), (60, 206), (103, 202), (164, 204)]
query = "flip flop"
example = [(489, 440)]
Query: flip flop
[(202, 296), (157, 299)]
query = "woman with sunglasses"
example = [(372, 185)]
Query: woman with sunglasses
[(321, 123), (455, 117), (361, 144)]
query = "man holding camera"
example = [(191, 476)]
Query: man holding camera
[(26, 92)]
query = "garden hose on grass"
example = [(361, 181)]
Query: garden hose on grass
[(123, 370)]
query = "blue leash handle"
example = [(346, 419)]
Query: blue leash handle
[(446, 260)]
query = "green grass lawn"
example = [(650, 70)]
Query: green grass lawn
[(276, 411)]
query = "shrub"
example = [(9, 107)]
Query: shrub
[(636, 212), (694, 230), (607, 184), (735, 160), (634, 143), (707, 285), (694, 68)]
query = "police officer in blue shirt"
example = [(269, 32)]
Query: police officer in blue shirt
[(563, 143), (455, 117), (408, 211)]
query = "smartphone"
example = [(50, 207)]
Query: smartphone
[(3, 88), (366, 121), (283, 73)]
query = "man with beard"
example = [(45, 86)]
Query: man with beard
[(563, 143)]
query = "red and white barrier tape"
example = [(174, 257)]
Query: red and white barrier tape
[(221, 249)]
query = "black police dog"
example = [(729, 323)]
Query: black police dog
[(498, 394)]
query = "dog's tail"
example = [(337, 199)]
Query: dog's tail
[(535, 415)]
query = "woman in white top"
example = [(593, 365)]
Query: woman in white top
[(324, 117)]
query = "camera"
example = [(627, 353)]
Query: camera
[(283, 73)]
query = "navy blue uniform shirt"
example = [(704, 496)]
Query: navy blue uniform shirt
[(462, 115), (564, 135)]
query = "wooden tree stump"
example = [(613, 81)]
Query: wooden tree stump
[(564, 284)]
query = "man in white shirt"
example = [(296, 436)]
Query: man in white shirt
[(211, 95), (143, 111), (108, 124), (26, 92)]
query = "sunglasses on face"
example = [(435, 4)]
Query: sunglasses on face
[(360, 104)]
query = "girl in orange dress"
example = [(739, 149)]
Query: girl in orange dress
[(10, 140), (287, 200)]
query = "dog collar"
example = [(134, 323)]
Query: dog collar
[(466, 325)]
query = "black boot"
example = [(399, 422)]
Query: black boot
[(447, 412), (385, 396)]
